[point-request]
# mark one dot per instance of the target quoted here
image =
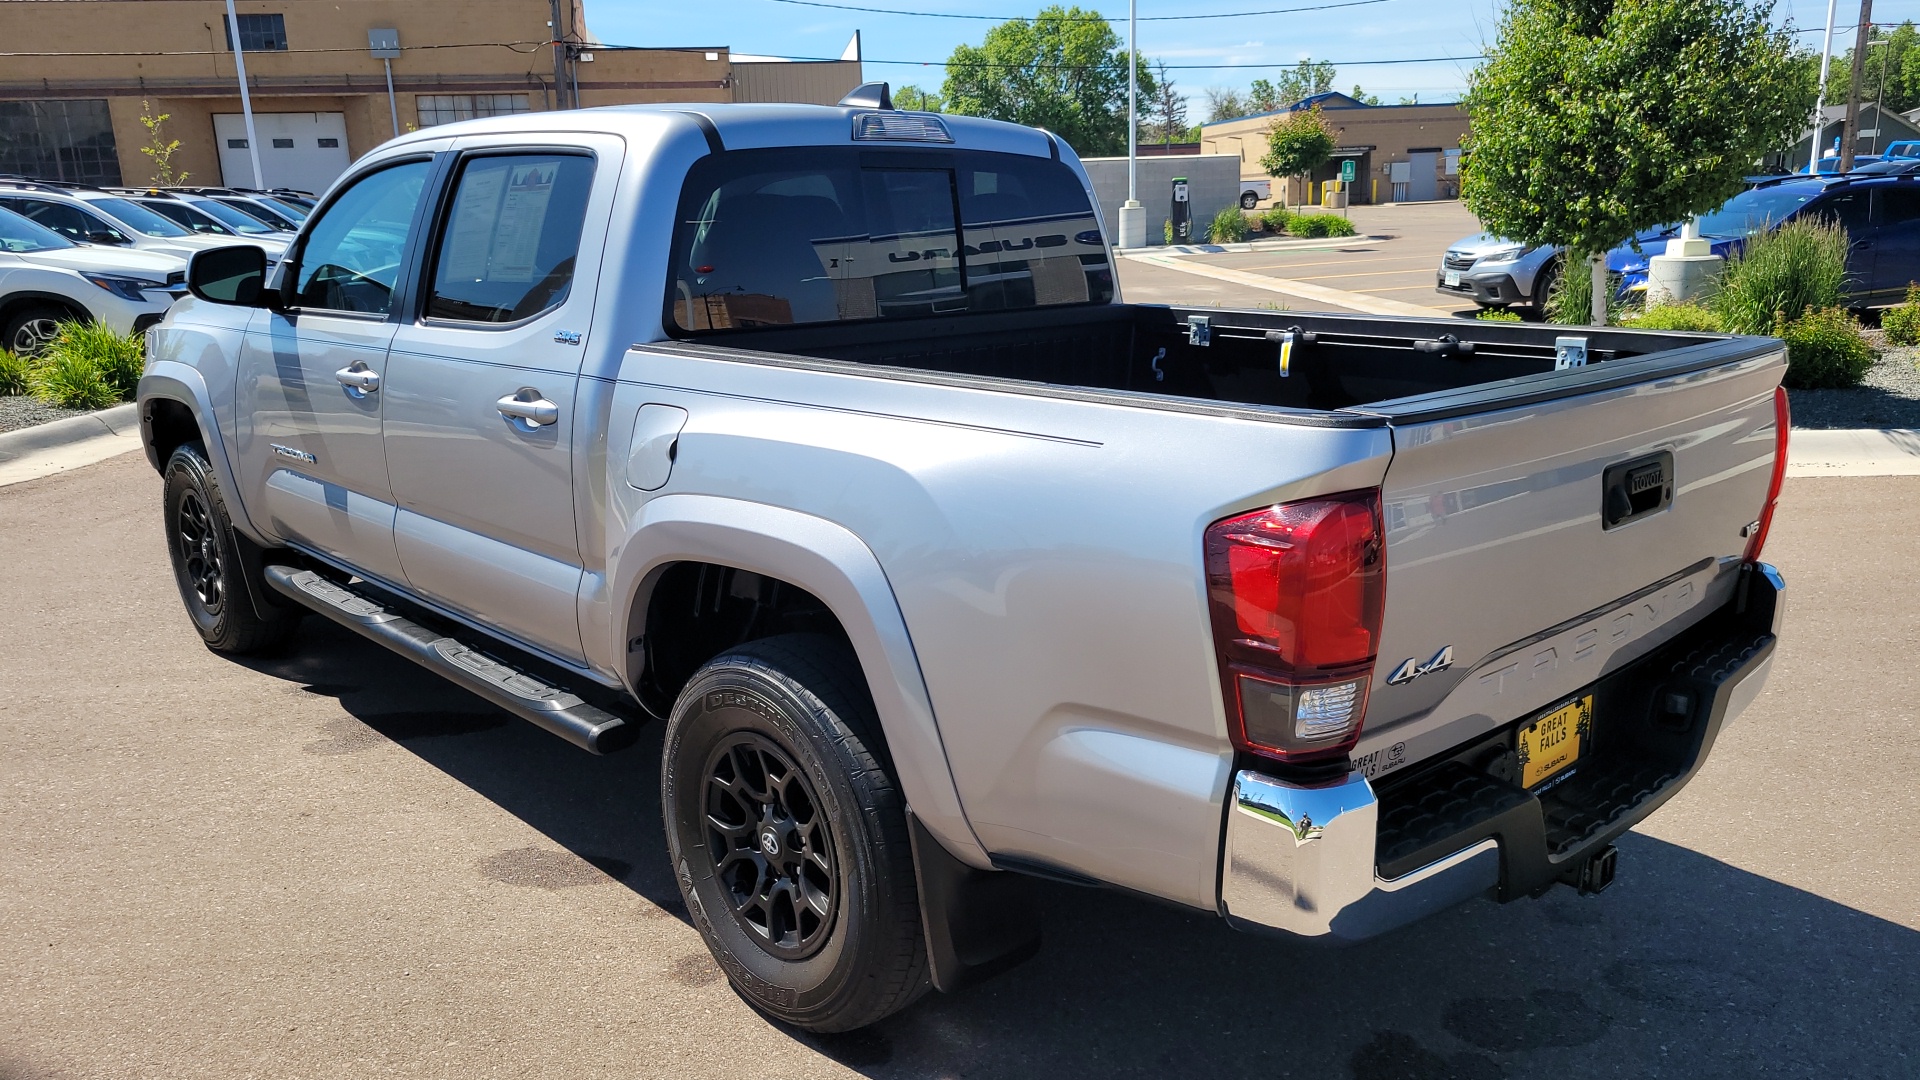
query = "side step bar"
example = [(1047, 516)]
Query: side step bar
[(551, 707)]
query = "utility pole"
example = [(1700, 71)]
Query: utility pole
[(1820, 96), (246, 100), (559, 58), (1850, 131)]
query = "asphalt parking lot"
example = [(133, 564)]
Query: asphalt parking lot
[(1394, 259), (330, 865)]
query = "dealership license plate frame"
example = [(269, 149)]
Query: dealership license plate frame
[(1542, 764), (1453, 279)]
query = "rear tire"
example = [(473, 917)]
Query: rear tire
[(207, 567), (1248, 200), (789, 836)]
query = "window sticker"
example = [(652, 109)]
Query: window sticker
[(516, 244)]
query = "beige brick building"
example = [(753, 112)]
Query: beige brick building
[(1401, 153), (72, 96)]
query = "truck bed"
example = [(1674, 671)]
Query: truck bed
[(1355, 363)]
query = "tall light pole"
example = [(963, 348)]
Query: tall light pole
[(1820, 96), (1133, 216), (246, 100)]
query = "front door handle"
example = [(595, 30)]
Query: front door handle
[(529, 407), (359, 379)]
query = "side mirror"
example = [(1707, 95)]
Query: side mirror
[(103, 236), (236, 275)]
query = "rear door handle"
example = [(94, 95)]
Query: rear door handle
[(359, 379), (529, 407)]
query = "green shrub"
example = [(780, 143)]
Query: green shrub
[(1320, 225), (1689, 317), (1901, 323), (1825, 349), (1498, 315), (1276, 219), (1229, 226), (1167, 228), (87, 366), (13, 374), (1798, 267)]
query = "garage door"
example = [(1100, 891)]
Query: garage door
[(305, 151)]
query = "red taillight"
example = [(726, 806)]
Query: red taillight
[(1296, 594), (1781, 419)]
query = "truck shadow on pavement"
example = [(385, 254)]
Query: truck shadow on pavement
[(1687, 967)]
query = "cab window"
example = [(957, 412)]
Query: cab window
[(819, 235)]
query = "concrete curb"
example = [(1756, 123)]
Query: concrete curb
[(1853, 452), (1299, 243), (64, 445), (119, 420)]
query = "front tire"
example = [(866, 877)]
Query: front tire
[(32, 329), (208, 568), (789, 836)]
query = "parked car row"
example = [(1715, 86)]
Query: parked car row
[(118, 255), (1878, 205)]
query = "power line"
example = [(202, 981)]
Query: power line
[(1088, 17)]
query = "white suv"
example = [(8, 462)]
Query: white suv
[(92, 216), (46, 279)]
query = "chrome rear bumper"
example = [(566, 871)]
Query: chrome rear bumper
[(1302, 859)]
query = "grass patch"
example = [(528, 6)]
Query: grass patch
[(1498, 315), (1782, 275), (13, 374), (86, 366), (1571, 301)]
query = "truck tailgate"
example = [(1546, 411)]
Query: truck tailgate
[(1506, 579)]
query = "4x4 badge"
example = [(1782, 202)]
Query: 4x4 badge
[(1412, 668)]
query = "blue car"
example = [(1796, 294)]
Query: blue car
[(1880, 212)]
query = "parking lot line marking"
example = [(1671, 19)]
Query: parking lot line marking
[(1366, 273), (1371, 305), (1421, 260)]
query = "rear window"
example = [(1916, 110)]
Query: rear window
[(820, 235)]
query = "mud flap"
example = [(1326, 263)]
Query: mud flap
[(978, 923)]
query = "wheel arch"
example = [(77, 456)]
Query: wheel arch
[(822, 561), (175, 408), (13, 302)]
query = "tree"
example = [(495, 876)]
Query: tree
[(1298, 143), (1363, 97), (159, 149), (1166, 115), (1594, 120), (914, 99), (1062, 70), (1263, 97), (1305, 80), (1892, 69), (1225, 104)]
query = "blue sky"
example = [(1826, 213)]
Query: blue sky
[(1388, 30)]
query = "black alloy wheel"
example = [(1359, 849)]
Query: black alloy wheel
[(199, 553), (788, 834), (769, 846), (207, 566)]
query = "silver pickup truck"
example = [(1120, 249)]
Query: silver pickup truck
[(822, 436)]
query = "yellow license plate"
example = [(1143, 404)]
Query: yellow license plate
[(1552, 743)]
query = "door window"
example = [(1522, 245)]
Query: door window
[(1899, 207), (351, 258), (507, 249)]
